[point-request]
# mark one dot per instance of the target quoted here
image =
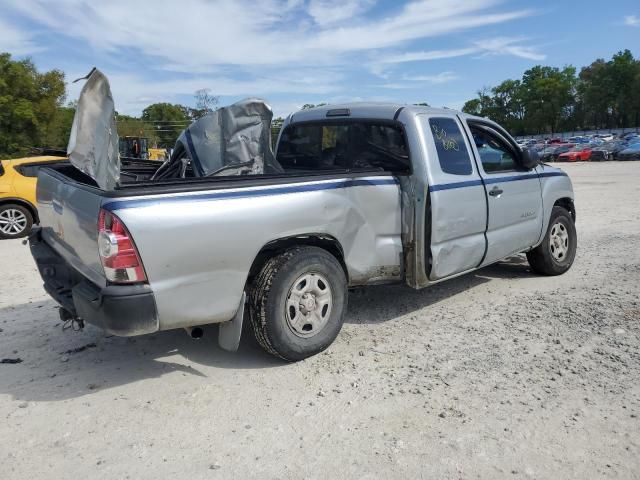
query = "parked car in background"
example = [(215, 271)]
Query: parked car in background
[(551, 153), (606, 137), (18, 179), (607, 151), (629, 135), (578, 153), (632, 152)]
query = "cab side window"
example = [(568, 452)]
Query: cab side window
[(452, 150), (495, 155)]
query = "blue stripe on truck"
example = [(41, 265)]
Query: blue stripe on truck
[(489, 181), (309, 187)]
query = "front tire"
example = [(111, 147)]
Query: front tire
[(555, 255), (297, 303), (15, 221)]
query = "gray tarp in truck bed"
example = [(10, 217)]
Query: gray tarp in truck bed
[(233, 140)]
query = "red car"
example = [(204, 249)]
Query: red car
[(576, 154)]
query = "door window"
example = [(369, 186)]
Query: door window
[(495, 155), (452, 150)]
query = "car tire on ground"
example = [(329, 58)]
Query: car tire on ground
[(297, 303), (15, 221), (555, 255)]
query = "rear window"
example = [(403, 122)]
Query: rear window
[(452, 151), (345, 146)]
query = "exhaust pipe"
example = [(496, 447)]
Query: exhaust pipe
[(195, 332)]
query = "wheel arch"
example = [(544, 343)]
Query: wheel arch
[(23, 203), (274, 247), (567, 204)]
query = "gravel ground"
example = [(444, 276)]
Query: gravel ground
[(497, 374)]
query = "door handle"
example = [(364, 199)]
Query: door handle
[(496, 192)]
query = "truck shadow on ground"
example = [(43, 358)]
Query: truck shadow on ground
[(52, 369), (378, 304)]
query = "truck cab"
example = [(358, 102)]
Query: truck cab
[(470, 196)]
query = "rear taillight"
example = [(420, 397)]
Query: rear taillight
[(118, 253)]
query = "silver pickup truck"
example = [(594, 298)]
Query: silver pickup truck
[(357, 194)]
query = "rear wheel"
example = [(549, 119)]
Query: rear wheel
[(556, 253), (15, 221), (297, 303)]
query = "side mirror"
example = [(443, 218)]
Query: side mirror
[(530, 158)]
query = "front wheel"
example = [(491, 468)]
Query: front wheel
[(297, 303), (15, 221), (556, 253)]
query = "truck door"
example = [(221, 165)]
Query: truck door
[(456, 210), (514, 193)]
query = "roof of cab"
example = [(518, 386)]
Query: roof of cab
[(377, 110)]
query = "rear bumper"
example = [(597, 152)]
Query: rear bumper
[(123, 310)]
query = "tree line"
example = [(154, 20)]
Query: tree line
[(33, 112), (605, 94)]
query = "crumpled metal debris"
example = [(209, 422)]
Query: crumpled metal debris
[(93, 143), (233, 140)]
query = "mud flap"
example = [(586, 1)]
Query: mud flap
[(229, 332)]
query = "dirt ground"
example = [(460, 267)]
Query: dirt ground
[(497, 374)]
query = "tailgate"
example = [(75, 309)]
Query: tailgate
[(68, 212)]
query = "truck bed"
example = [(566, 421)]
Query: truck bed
[(198, 238)]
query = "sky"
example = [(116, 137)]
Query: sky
[(292, 52)]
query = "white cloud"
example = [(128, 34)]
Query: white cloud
[(203, 33), (381, 65), (632, 21), (14, 40), (408, 82), (133, 92), (443, 77), (426, 55), (509, 46), (292, 48), (327, 12)]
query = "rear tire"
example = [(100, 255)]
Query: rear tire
[(15, 221), (297, 303), (555, 255)]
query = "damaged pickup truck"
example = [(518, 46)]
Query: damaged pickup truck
[(355, 195)]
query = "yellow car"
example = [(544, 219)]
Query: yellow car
[(18, 179)]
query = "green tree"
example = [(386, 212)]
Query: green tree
[(548, 95), (595, 96), (136, 127), (623, 72), (307, 106), (472, 107), (29, 103), (57, 131), (168, 119), (507, 106)]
